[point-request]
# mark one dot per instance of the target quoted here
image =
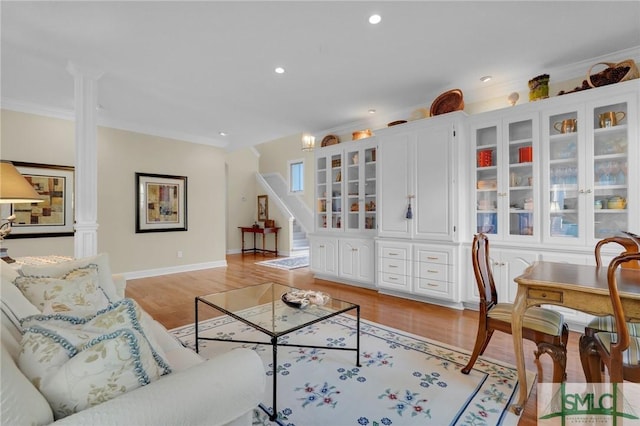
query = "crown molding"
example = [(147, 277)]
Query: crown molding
[(558, 75), (104, 121)]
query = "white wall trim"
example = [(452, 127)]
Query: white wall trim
[(174, 270)]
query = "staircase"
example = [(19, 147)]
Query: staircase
[(300, 241), (277, 187)]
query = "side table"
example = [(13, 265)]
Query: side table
[(264, 232)]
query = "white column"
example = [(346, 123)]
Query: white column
[(86, 161)]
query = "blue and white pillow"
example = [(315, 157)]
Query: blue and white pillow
[(78, 362)]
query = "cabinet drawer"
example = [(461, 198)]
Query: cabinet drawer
[(428, 286), (433, 271), (394, 281), (441, 257), (393, 253), (394, 266)]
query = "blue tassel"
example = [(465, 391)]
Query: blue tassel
[(409, 212)]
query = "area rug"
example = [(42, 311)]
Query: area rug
[(403, 380), (287, 262)]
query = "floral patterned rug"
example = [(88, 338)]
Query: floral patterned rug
[(294, 262), (403, 380)]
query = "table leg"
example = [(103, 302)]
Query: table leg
[(358, 337), (519, 307), (274, 345), (242, 234), (254, 242), (276, 238), (196, 324), (263, 242)]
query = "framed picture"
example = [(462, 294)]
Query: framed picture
[(263, 208), (161, 203), (54, 216)]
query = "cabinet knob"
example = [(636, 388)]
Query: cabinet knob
[(354, 249), (321, 246)]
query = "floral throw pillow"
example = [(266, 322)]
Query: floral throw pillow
[(80, 362), (76, 292)]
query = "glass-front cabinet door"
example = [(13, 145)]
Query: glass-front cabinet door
[(564, 175), (329, 190), (591, 192), (361, 187), (609, 170), (505, 177)]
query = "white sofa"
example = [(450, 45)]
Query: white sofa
[(221, 391)]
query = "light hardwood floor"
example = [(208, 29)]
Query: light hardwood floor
[(170, 300)]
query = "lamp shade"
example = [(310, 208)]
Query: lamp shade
[(14, 188), (308, 142)]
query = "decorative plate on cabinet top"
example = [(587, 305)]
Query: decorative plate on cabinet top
[(330, 140), (449, 101)]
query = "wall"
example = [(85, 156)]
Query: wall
[(275, 156), (242, 165), (121, 154)]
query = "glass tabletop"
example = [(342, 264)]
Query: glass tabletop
[(262, 307)]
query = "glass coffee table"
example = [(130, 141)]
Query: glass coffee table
[(280, 319)]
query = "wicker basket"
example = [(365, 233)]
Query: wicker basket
[(610, 74)]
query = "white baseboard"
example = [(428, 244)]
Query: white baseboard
[(174, 270)]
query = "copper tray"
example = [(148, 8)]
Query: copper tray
[(449, 101)]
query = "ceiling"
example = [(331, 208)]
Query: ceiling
[(190, 70)]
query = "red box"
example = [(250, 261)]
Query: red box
[(485, 158), (526, 154)]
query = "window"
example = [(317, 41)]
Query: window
[(296, 176)]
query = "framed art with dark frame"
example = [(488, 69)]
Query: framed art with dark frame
[(54, 216), (263, 208), (161, 203)]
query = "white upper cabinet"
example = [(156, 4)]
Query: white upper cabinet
[(505, 179), (418, 187), (346, 187), (590, 170)]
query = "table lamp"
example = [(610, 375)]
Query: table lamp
[(14, 188)]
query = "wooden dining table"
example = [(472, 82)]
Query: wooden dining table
[(580, 287)]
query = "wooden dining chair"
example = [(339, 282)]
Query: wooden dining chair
[(607, 323), (546, 328), (619, 351)]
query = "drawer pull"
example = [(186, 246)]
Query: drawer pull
[(431, 271), (433, 257), (432, 285), (393, 278), (393, 254), (392, 266)]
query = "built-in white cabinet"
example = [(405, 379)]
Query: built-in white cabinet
[(417, 179), (323, 255), (356, 259), (506, 265), (394, 266), (346, 187), (424, 270), (346, 217), (505, 177), (434, 273), (545, 180), (590, 169)]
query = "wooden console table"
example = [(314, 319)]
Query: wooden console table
[(264, 232)]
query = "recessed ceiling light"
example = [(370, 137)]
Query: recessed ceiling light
[(375, 19), (222, 133), (485, 78), (372, 111), (279, 70)]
